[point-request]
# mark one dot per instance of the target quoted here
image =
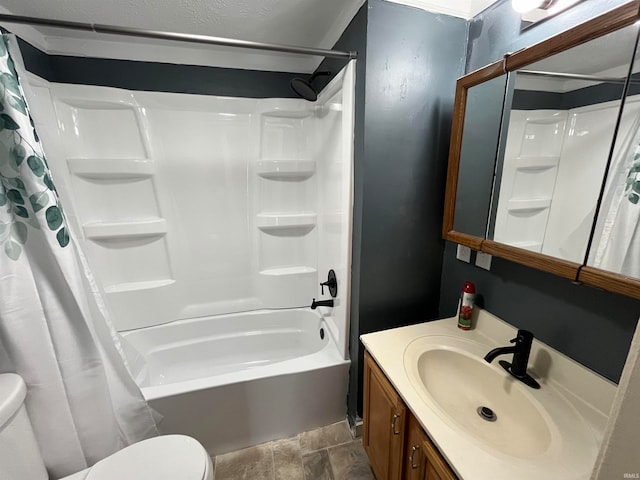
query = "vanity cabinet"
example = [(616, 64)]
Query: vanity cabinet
[(385, 418), (397, 446)]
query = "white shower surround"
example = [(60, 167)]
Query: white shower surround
[(553, 169), (199, 207)]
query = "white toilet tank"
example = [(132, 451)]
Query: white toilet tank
[(20, 457)]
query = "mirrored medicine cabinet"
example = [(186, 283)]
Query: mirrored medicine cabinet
[(544, 165)]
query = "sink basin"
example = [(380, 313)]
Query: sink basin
[(452, 375)]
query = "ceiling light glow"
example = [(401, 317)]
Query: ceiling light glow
[(523, 6)]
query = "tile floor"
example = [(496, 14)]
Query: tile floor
[(327, 453)]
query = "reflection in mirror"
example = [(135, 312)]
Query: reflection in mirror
[(557, 140), (480, 133), (615, 246)]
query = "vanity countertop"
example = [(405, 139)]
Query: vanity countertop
[(567, 386)]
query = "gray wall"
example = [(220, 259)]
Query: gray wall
[(158, 77), (590, 326), (412, 62), (35, 60)]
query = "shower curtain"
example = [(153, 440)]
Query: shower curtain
[(54, 327), (616, 245)]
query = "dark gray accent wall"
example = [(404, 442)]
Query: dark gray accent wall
[(539, 100), (413, 59), (167, 77), (156, 76), (593, 95), (35, 60), (589, 325)]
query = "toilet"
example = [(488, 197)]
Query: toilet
[(169, 457)]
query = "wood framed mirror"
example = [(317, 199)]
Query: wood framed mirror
[(537, 141), (472, 155)]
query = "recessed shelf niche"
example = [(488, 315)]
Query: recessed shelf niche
[(114, 230), (137, 286), (111, 168), (301, 222), (286, 169)]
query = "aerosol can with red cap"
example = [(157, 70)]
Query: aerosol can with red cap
[(466, 305)]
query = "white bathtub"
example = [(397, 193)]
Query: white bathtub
[(237, 380)]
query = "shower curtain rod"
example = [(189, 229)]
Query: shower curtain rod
[(181, 37), (575, 76)]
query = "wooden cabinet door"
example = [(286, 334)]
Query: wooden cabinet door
[(414, 459), (384, 423), (431, 473), (436, 467), (422, 461)]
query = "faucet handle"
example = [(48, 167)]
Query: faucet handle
[(524, 336), (332, 283)]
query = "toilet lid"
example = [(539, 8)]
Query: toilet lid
[(169, 457)]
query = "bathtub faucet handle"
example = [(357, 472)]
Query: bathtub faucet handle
[(332, 283)]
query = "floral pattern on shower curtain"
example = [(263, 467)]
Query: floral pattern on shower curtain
[(632, 189), (26, 187), (616, 245), (55, 330)]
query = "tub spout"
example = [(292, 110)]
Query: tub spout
[(321, 303)]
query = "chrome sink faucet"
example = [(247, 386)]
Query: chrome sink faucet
[(521, 351)]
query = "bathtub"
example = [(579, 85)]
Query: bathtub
[(237, 380)]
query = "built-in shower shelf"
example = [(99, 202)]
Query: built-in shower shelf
[(529, 205), (289, 271), (281, 221), (111, 168), (286, 169), (286, 286), (537, 162), (288, 113), (90, 103), (137, 286), (140, 229)]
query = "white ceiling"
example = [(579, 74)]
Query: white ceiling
[(312, 23), (458, 8), (606, 56)]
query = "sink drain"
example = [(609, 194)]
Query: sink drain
[(487, 414)]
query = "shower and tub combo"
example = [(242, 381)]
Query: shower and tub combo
[(241, 379), (210, 224)]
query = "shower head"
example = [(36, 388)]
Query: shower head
[(304, 89)]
